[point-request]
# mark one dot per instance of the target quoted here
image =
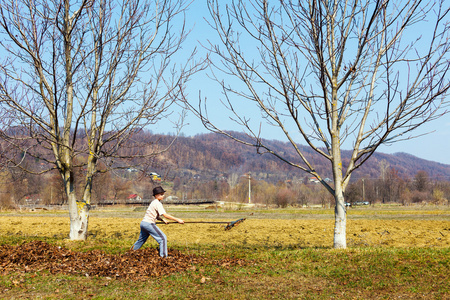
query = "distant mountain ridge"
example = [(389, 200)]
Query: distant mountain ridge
[(212, 153)]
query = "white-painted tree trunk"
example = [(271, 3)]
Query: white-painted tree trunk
[(79, 217), (340, 223), (78, 211)]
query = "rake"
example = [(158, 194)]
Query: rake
[(228, 227)]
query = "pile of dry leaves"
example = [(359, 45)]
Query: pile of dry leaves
[(38, 256)]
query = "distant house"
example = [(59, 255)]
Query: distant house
[(314, 179), (32, 199), (134, 197), (171, 198)]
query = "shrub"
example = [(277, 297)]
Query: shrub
[(417, 197), (284, 197)]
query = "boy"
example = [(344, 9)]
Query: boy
[(148, 225)]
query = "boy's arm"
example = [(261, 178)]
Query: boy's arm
[(173, 218), (161, 219)]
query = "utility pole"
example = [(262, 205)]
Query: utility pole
[(249, 189), (363, 191)]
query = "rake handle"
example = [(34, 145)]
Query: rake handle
[(229, 224), (199, 222)]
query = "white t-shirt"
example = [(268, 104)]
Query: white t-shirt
[(154, 210)]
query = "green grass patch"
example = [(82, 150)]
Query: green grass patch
[(362, 273)]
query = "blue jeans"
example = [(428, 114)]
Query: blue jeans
[(153, 230)]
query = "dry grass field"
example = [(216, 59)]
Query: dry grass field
[(366, 227)]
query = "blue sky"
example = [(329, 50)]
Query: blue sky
[(433, 146)]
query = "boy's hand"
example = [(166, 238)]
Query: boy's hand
[(180, 221)]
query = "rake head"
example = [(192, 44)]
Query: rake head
[(234, 223)]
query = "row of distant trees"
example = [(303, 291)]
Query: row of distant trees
[(389, 188), (393, 188), (21, 188)]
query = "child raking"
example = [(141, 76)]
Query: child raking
[(148, 225)]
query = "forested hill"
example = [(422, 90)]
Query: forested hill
[(213, 154)]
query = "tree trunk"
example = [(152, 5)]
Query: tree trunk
[(340, 216), (79, 217), (78, 210), (340, 221)]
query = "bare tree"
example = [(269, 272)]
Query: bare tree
[(421, 181), (5, 147), (332, 74), (80, 78)]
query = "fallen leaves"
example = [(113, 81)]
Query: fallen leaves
[(204, 279), (37, 256)]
